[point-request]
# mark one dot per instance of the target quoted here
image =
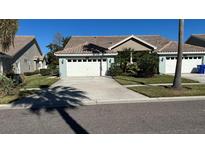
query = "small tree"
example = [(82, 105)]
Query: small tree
[(59, 43), (123, 58)]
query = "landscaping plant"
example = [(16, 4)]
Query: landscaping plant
[(6, 85), (144, 64)]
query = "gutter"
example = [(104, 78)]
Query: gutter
[(82, 55)]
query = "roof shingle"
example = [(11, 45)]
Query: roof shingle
[(172, 46), (19, 43), (108, 41)]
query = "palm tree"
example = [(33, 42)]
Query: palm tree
[(8, 29), (177, 77)]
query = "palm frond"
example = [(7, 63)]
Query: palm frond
[(8, 29)]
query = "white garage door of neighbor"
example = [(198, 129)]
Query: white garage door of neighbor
[(86, 67), (189, 64)]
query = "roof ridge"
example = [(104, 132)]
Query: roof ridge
[(114, 35), (198, 34), (166, 45)]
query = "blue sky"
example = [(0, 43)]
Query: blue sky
[(44, 29)]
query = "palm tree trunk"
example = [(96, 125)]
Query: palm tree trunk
[(177, 77)]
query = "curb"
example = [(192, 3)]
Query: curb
[(119, 101)]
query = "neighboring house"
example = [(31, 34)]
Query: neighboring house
[(24, 56), (196, 39), (93, 55)]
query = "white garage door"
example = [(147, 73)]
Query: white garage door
[(86, 67), (189, 64)]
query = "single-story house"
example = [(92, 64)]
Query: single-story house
[(196, 39), (24, 56), (93, 55)]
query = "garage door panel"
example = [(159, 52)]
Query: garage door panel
[(86, 68), (189, 64)]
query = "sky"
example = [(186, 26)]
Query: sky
[(44, 30)]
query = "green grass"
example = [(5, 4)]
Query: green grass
[(167, 91), (33, 81), (18, 95), (38, 81), (128, 80), (9, 98)]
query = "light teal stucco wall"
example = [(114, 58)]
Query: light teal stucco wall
[(162, 61), (110, 60), (203, 59), (63, 67)]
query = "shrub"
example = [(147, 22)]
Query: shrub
[(123, 58), (115, 70), (132, 69), (148, 64), (55, 72), (16, 78), (45, 72), (6, 84), (31, 73)]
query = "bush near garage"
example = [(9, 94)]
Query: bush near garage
[(145, 64), (148, 65), (45, 72), (115, 70)]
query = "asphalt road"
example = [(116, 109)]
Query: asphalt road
[(170, 117)]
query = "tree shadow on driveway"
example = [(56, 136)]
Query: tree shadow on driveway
[(56, 99)]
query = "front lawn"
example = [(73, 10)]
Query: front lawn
[(167, 91), (129, 80), (33, 81), (38, 81)]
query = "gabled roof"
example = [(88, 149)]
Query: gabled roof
[(200, 36), (84, 48), (109, 41), (172, 47), (132, 37), (196, 39), (20, 42)]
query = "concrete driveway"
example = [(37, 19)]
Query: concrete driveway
[(197, 77), (99, 89)]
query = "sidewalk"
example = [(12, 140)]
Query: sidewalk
[(161, 84)]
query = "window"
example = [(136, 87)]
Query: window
[(94, 60), (25, 60), (186, 57), (84, 60), (167, 58), (99, 60), (190, 57), (195, 57), (172, 58), (89, 60), (79, 60), (199, 57), (69, 60), (74, 60), (104, 59)]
